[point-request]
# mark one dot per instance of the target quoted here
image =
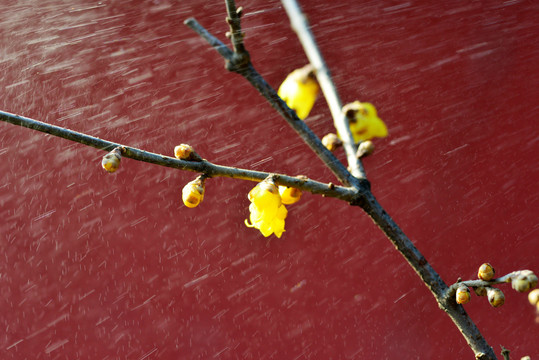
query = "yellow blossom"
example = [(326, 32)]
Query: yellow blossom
[(364, 121), (267, 213), (299, 90)]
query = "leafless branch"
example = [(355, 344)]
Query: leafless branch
[(248, 71), (300, 24), (357, 193), (204, 167), (364, 199)]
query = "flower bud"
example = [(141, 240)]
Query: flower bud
[(186, 152), (533, 297), (364, 149), (331, 142), (486, 272), (496, 297), (193, 192), (532, 278), (463, 294), (183, 151), (289, 195), (480, 291), (525, 281), (111, 161)]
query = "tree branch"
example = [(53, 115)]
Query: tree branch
[(310, 138), (366, 200), (358, 195), (236, 35), (205, 167), (300, 24), (430, 277)]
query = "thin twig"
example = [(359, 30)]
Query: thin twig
[(303, 130), (236, 35), (205, 167), (505, 353), (359, 196), (299, 23)]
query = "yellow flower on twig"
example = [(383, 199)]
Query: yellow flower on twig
[(364, 121), (299, 90), (267, 213)]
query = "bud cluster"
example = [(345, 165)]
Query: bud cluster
[(521, 281)]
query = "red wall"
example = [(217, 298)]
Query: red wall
[(100, 266)]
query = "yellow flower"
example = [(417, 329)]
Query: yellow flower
[(267, 213), (299, 90), (364, 121)]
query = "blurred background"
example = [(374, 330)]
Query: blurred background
[(101, 266)]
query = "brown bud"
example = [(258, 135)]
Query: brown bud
[(524, 281), (186, 152), (331, 142), (365, 148), (480, 291), (496, 297)]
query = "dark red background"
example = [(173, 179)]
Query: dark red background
[(100, 266)]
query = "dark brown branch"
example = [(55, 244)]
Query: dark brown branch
[(300, 25), (430, 277), (205, 167), (366, 200), (236, 35), (310, 138)]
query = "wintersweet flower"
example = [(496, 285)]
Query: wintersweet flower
[(299, 90), (364, 121), (267, 213)]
